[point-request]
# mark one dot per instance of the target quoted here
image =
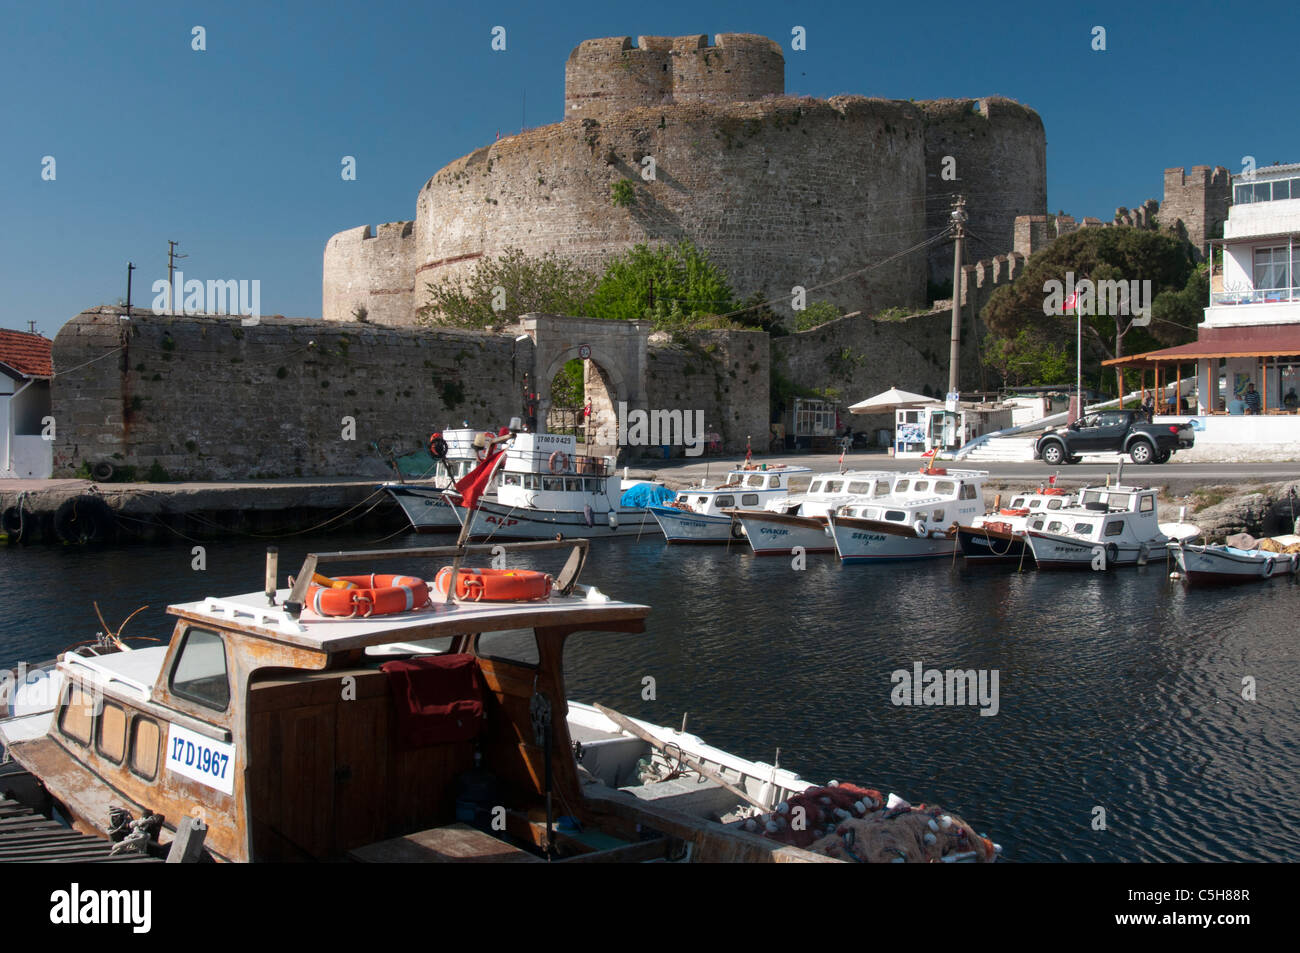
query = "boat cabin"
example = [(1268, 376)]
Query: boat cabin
[(436, 733), (743, 488), (937, 498), (544, 471), (1105, 514)]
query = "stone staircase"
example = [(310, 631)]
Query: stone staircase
[(1006, 449)]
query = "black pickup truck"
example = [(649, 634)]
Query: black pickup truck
[(1114, 431)]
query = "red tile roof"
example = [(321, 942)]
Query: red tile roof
[(28, 354)]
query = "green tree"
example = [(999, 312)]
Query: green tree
[(1030, 357), (518, 282), (687, 287), (568, 390), (1100, 254)]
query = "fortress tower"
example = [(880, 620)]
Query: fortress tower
[(779, 190)]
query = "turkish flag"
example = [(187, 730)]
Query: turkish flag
[(1071, 302), (474, 484)]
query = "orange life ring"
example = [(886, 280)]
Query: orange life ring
[(1053, 491), (934, 472), (1007, 512), (562, 458), (373, 595), (495, 585)]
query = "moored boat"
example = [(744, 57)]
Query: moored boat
[(1204, 564), (1107, 527), (800, 519), (422, 500), (704, 514), (915, 521), (999, 535)]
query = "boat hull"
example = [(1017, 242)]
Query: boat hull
[(1220, 565), (425, 508), (778, 534), (496, 521), (1052, 551), (680, 526), (863, 541), (981, 545)]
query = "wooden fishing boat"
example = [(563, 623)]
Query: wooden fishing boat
[(1203, 565), (704, 514), (435, 733), (915, 521), (1107, 527), (800, 519), (999, 535)]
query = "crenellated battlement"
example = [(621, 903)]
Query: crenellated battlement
[(610, 75)]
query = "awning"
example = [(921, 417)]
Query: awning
[(1270, 340), (889, 400)]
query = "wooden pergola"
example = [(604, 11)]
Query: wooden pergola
[(1269, 344)]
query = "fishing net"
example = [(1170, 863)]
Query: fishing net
[(853, 823)]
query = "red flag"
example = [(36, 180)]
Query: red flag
[(1071, 302), (474, 484), (1051, 480)]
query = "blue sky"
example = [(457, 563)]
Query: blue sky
[(235, 151)]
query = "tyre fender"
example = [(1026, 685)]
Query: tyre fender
[(1270, 565), (919, 528), (1112, 554)]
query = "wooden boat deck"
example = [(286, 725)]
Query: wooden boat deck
[(27, 837)]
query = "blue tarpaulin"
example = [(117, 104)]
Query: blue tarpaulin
[(647, 494)]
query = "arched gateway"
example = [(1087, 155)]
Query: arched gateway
[(614, 355)]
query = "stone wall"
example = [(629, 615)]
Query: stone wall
[(374, 270), (1196, 204), (208, 398), (999, 150), (859, 356)]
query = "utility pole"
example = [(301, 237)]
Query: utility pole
[(130, 267), (651, 298), (171, 270), (954, 350)]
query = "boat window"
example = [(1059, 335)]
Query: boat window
[(1033, 504), (920, 485), (1147, 504), (944, 487), (726, 501), (595, 485), (859, 486), (552, 483), (936, 516), (534, 482), (901, 486), (510, 645), (815, 486), (754, 479), (1114, 527), (1054, 503), (200, 670), (968, 491), (512, 479), (573, 484), (1083, 529), (834, 486), (882, 488), (1018, 503), (78, 714), (1055, 526), (1092, 496), (1120, 501), (1036, 524), (773, 482), (895, 516), (111, 739), (749, 499), (144, 747), (702, 501)]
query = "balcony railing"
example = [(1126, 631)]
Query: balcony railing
[(1264, 296)]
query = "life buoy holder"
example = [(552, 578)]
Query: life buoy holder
[(370, 595), (1013, 512), (495, 585), (559, 462), (437, 445)]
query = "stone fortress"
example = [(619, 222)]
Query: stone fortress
[(780, 190)]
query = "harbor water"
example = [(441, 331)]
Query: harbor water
[(1135, 720)]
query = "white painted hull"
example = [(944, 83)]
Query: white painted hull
[(497, 521), (680, 526), (862, 541), (776, 534), (1053, 551), (1208, 565), (425, 507)]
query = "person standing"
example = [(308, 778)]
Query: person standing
[(1251, 398)]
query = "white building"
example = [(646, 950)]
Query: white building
[(25, 372), (1251, 332)]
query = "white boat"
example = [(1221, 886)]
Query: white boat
[(999, 535), (800, 519), (1221, 564), (702, 514), (545, 489), (1108, 526), (422, 501), (914, 521)]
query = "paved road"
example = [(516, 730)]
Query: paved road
[(1178, 477)]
